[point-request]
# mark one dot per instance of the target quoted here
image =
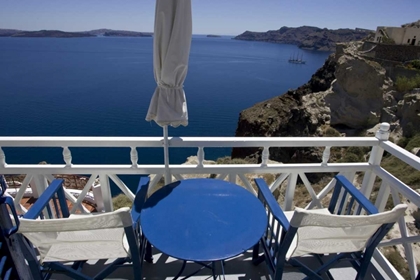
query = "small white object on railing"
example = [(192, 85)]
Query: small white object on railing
[(383, 132), (265, 156), (200, 156), (2, 158), (134, 157), (326, 155), (67, 156)]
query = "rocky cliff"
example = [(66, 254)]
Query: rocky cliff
[(307, 37), (349, 93)]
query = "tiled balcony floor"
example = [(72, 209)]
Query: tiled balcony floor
[(239, 268)]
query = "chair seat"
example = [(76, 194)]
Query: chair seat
[(84, 245)]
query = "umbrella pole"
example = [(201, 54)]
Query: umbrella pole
[(166, 155)]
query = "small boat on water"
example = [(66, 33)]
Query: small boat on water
[(297, 60)]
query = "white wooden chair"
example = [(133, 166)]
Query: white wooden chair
[(349, 229), (78, 238)]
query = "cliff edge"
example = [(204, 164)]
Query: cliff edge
[(349, 93)]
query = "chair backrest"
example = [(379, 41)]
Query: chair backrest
[(79, 237), (326, 233)]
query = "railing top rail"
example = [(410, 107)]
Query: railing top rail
[(65, 141), (401, 153), (87, 141), (181, 169)]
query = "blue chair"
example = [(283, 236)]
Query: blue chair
[(342, 231), (77, 238)]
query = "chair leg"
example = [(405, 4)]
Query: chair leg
[(148, 257), (256, 258)]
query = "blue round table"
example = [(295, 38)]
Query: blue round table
[(203, 220)]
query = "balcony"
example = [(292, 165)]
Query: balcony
[(36, 178)]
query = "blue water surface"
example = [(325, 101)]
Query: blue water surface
[(102, 87)]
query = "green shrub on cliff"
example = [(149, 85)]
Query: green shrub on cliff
[(229, 160), (400, 169), (414, 142), (404, 84), (415, 64), (331, 132), (121, 201)]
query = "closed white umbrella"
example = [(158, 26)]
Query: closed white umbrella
[(171, 49)]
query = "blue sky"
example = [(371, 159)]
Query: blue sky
[(225, 17)]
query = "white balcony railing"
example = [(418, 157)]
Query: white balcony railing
[(38, 176)]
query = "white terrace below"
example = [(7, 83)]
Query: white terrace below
[(38, 176)]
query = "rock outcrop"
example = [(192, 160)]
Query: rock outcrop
[(293, 114), (307, 37), (349, 92), (356, 99)]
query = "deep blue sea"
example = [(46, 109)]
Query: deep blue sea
[(102, 87)]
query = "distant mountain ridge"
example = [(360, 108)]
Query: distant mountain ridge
[(64, 34), (307, 37), (119, 33)]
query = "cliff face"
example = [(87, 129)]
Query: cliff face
[(307, 37), (286, 115), (349, 93)]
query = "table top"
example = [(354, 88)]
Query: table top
[(203, 220)]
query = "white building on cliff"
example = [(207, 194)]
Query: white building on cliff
[(400, 35)]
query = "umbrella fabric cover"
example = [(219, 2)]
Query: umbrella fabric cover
[(171, 49)]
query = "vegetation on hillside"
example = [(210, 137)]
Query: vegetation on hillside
[(406, 173), (404, 84), (414, 64), (121, 201)]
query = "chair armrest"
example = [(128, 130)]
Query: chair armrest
[(139, 199), (355, 195), (267, 198), (56, 187)]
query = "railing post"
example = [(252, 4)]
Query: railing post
[(290, 192), (168, 176), (105, 193), (232, 178), (200, 156), (2, 158), (375, 159), (67, 156), (134, 157), (38, 185)]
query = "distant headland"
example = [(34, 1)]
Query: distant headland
[(212, 35), (307, 37), (62, 34)]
